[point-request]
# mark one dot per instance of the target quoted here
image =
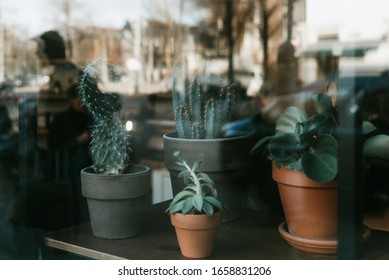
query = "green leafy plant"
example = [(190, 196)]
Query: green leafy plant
[(199, 196), (309, 144), (202, 104), (306, 143), (110, 145)]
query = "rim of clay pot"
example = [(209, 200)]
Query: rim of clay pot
[(221, 154), (173, 136), (196, 221), (105, 187), (135, 170), (298, 178)]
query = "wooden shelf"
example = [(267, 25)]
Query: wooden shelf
[(254, 236)]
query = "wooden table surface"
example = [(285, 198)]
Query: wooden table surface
[(253, 236)]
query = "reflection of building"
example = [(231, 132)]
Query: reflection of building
[(323, 55), (342, 41), (99, 43), (151, 43)]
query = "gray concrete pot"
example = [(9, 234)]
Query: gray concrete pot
[(225, 160), (116, 203)]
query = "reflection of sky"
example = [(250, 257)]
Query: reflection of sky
[(36, 16), (353, 18)]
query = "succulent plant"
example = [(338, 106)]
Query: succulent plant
[(200, 108), (199, 196), (309, 144), (110, 144)]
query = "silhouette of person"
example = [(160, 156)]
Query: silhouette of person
[(52, 53), (68, 142), (8, 184), (69, 129)]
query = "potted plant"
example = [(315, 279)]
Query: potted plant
[(117, 191), (195, 212), (304, 153), (201, 107)]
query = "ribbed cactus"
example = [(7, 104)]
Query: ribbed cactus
[(200, 111), (109, 147)]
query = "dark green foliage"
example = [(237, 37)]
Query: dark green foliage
[(309, 144), (306, 143), (110, 142)]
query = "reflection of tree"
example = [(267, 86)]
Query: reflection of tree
[(270, 33), (227, 21), (231, 20), (162, 26), (242, 14), (64, 14)]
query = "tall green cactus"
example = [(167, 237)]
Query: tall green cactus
[(199, 112), (110, 143)]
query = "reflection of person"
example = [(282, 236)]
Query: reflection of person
[(68, 141), (147, 108), (51, 52), (70, 129), (8, 184)]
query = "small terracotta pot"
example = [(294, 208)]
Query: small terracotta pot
[(310, 207), (196, 234)]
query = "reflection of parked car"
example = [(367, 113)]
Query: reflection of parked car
[(6, 89), (366, 85), (250, 81)]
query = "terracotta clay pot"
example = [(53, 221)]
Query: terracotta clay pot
[(310, 207), (196, 234)]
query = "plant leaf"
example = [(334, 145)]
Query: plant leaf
[(198, 202), (191, 188), (316, 123), (180, 196), (287, 120), (321, 102), (183, 173), (205, 178), (283, 147), (188, 205), (376, 150), (208, 209), (320, 163), (209, 189), (176, 207), (261, 144), (367, 127), (215, 202), (195, 165)]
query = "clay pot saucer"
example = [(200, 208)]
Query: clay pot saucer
[(312, 245)]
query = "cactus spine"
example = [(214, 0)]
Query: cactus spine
[(200, 112), (109, 147)]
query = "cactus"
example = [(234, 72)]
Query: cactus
[(200, 112), (109, 147)]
